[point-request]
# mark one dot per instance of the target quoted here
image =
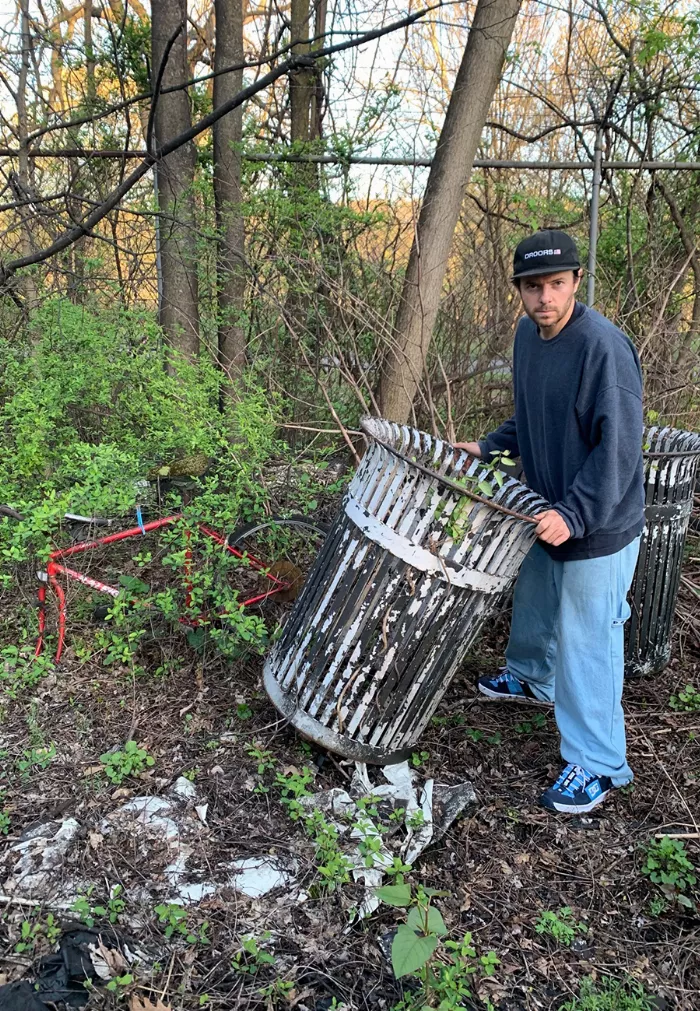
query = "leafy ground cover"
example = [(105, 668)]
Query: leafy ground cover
[(594, 913), (513, 909)]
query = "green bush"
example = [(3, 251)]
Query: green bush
[(119, 765), (687, 700), (86, 410), (91, 406), (94, 380), (561, 926)]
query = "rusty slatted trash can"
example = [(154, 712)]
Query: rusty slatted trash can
[(409, 572), (671, 461)]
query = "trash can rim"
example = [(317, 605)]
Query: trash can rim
[(672, 453), (440, 478), (679, 443)]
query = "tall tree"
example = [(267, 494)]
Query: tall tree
[(24, 188), (90, 61), (317, 101), (231, 275), (474, 88), (305, 84), (301, 82), (178, 310), (305, 102)]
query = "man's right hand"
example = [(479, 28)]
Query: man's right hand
[(471, 447)]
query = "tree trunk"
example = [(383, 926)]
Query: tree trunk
[(178, 311), (302, 94), (317, 101), (301, 82), (76, 264), (75, 261), (90, 61), (231, 274), (305, 89), (29, 286), (306, 86), (476, 83)]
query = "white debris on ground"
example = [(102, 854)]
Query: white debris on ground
[(153, 815), (428, 812), (39, 862), (257, 876), (162, 817), (37, 866), (36, 860), (183, 788)]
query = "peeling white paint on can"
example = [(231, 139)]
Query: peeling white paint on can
[(670, 466), (396, 596)]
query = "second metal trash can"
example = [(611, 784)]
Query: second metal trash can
[(409, 572), (671, 461)]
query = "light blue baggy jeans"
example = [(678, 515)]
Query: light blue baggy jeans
[(567, 642)]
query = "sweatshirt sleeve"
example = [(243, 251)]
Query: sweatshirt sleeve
[(601, 483), (504, 439)]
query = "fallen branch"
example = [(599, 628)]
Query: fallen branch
[(677, 835), (6, 510), (322, 431)]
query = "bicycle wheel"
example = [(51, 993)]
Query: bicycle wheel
[(271, 560)]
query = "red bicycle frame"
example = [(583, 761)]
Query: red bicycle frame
[(55, 568)]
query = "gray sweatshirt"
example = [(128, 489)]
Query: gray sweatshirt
[(578, 429)]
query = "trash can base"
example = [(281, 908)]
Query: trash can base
[(323, 736), (649, 667)]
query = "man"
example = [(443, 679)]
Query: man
[(577, 428)]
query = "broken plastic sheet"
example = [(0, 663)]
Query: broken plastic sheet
[(37, 855), (160, 816), (438, 804), (37, 861)]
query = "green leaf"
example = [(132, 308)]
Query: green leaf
[(410, 951), (134, 584), (395, 895), (439, 893), (436, 924), (485, 488)]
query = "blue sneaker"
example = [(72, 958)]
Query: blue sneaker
[(576, 791), (507, 688)]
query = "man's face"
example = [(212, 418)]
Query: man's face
[(547, 298)]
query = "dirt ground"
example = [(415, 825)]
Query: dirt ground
[(502, 864)]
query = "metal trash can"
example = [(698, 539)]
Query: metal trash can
[(670, 467), (409, 572)]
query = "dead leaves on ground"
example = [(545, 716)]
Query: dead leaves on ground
[(138, 1003)]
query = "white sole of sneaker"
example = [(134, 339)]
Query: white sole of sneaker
[(578, 808), (522, 700)]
